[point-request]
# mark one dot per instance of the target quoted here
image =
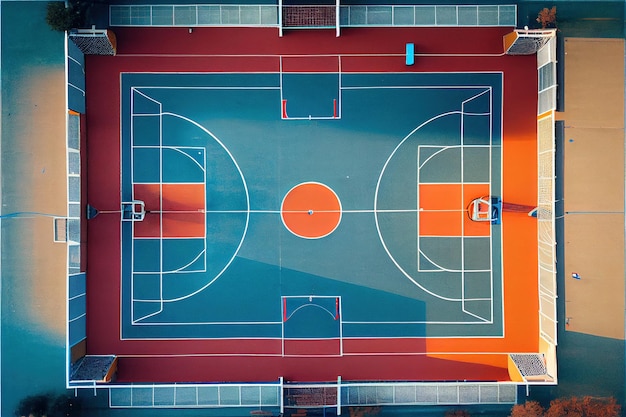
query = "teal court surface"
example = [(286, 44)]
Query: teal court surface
[(310, 206)]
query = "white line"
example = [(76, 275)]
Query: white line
[(344, 211), (154, 313), (462, 168), (179, 270), (340, 92), (178, 149), (193, 271), (77, 296), (161, 252), (71, 58), (476, 315), (310, 305), (132, 191), (78, 317), (247, 203), (417, 322), (380, 177), (214, 323), (141, 93), (217, 87), (443, 269), (377, 353), (121, 224), (76, 88), (415, 87)]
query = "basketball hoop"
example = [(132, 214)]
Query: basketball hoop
[(133, 211), (485, 209), (489, 209)]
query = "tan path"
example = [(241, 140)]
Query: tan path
[(34, 270), (594, 186), (33, 178)]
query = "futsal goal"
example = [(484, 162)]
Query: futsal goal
[(299, 16), (94, 41), (527, 41)]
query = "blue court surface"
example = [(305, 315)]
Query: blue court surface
[(214, 156)]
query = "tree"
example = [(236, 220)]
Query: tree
[(547, 17), (65, 406), (528, 409), (364, 411), (457, 413), (584, 407), (46, 405), (33, 406), (62, 18)]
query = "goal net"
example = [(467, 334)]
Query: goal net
[(94, 41), (527, 41)]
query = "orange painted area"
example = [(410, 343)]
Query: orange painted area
[(175, 225), (183, 197), (174, 197), (443, 210), (499, 360), (509, 39), (150, 194), (190, 225), (519, 247), (311, 210), (182, 213)]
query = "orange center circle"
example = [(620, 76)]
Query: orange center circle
[(311, 210)]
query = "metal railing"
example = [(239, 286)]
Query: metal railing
[(407, 15), (194, 15), (264, 15), (195, 395), (546, 177), (272, 395)]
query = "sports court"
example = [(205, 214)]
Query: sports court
[(218, 192), (307, 213)]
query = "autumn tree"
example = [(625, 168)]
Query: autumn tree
[(584, 407), (547, 17), (47, 405), (457, 413), (528, 409), (364, 411)]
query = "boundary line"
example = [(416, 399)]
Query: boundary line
[(374, 210)]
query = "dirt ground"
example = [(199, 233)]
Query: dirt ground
[(594, 186)]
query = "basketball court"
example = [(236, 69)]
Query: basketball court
[(215, 193), (289, 208)]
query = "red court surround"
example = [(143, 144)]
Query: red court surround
[(236, 360)]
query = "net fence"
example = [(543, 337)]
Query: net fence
[(546, 240), (529, 42), (408, 393), (194, 395), (310, 397), (530, 364), (349, 15), (309, 16), (94, 41), (277, 397)]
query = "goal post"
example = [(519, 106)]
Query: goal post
[(94, 41), (309, 16), (527, 41)]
